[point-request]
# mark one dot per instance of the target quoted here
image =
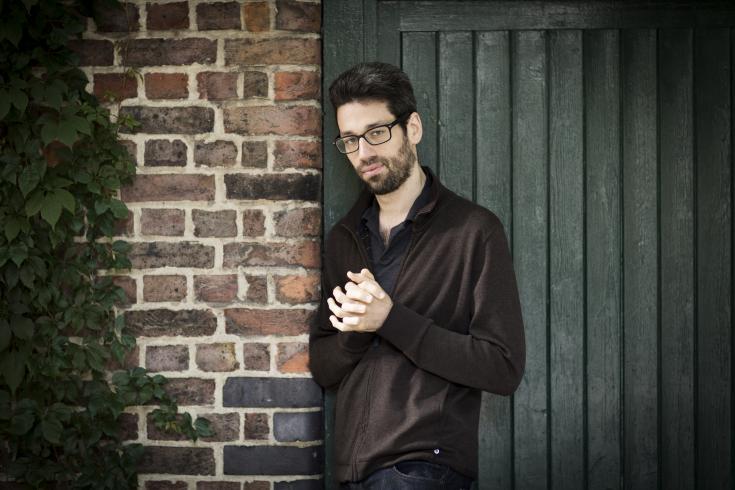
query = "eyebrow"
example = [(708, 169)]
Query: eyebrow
[(367, 128)]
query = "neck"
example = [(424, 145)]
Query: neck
[(398, 202)]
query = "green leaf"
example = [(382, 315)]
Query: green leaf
[(48, 132), (19, 99), (66, 199), (21, 423), (66, 134), (27, 275), (52, 429), (29, 179), (22, 327), (4, 103), (33, 204), (12, 228), (5, 334), (79, 124), (13, 369), (119, 209), (51, 209)]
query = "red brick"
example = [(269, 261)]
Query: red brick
[(128, 423), (256, 356), (273, 51), (298, 16), (299, 222), (254, 84), (215, 154), (130, 360), (166, 323), (169, 187), (257, 16), (147, 52), (217, 85), (214, 223), (279, 120), (166, 120), (257, 485), (257, 289), (191, 391), (256, 426), (177, 460), (293, 357), (166, 485), (249, 321), (297, 154), (166, 222), (298, 288), (219, 485), (216, 357), (305, 254), (296, 85), (218, 15), (116, 17), (164, 288), (253, 222), (165, 153), (128, 286), (254, 154), (115, 86), (93, 52), (216, 289), (149, 255), (166, 85), (168, 16), (167, 357)]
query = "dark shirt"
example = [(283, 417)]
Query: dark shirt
[(386, 262)]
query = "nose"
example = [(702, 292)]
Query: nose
[(364, 149)]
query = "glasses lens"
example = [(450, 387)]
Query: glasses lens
[(347, 145), (378, 135)]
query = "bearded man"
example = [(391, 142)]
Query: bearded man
[(420, 310)]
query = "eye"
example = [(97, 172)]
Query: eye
[(350, 141), (378, 132)]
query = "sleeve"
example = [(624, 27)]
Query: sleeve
[(332, 353), (491, 357)]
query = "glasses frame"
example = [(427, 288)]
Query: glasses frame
[(389, 125)]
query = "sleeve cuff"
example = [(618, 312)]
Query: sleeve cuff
[(354, 341), (404, 328)]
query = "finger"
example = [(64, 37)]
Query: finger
[(348, 307), (336, 323), (357, 293), (373, 288), (366, 272)]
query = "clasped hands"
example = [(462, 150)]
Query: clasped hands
[(363, 305)]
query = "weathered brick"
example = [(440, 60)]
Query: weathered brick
[(147, 255), (273, 460), (130, 360), (215, 154), (257, 391), (305, 254), (298, 16), (131, 147), (177, 460), (254, 154), (164, 120), (161, 322), (311, 484), (169, 187), (298, 222), (257, 16), (121, 17), (214, 223), (217, 85), (279, 120), (164, 288), (128, 286), (257, 485), (216, 357), (249, 321), (167, 358), (254, 84), (218, 485), (226, 427), (167, 222), (115, 86), (128, 423), (191, 391), (216, 289), (253, 222), (256, 356), (161, 17), (272, 51), (146, 52), (256, 426), (93, 52), (166, 85), (257, 289), (171, 153), (166, 485), (297, 426), (218, 15), (297, 85), (293, 357), (302, 187), (297, 288)]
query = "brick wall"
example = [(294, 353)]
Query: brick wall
[(225, 229)]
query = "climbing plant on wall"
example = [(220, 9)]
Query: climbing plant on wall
[(61, 165)]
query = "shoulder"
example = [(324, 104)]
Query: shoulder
[(472, 218)]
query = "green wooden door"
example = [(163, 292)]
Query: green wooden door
[(602, 136)]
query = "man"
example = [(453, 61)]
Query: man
[(420, 308)]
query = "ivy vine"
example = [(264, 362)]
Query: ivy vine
[(61, 166)]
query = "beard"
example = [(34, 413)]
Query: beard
[(396, 170)]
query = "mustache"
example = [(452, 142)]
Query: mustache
[(372, 161)]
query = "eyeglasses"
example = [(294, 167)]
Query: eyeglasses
[(374, 136)]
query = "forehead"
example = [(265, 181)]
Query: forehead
[(355, 117)]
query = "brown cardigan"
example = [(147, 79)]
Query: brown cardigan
[(455, 328)]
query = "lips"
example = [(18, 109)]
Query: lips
[(372, 169)]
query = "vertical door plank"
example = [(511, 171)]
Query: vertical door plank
[(603, 251), (566, 258), (456, 112), (677, 258), (714, 266), (530, 253), (640, 249), (419, 63), (493, 171)]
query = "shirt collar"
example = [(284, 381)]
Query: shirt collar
[(373, 210)]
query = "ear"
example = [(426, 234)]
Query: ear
[(414, 128)]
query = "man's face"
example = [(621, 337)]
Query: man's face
[(382, 167)]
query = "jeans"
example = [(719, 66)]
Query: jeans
[(412, 475)]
